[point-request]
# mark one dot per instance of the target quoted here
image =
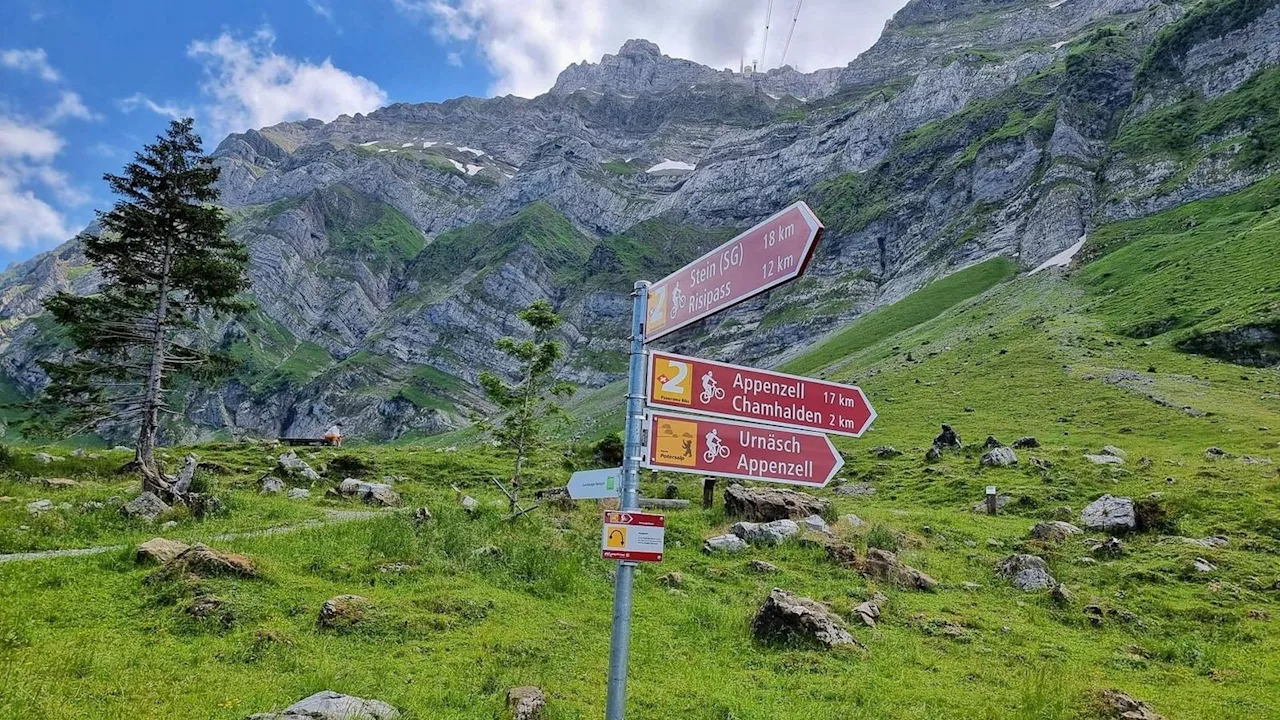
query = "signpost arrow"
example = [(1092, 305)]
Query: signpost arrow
[(595, 484), (763, 257), (705, 446), (706, 387)]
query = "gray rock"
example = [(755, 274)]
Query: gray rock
[(43, 458), (1109, 514), (122, 448), (770, 533), (1000, 457), (885, 452), (1216, 541), (329, 705), (298, 494), (1110, 548), (146, 506), (168, 525), (791, 619), (769, 504), (160, 550), (272, 486), (470, 504), (91, 506), (526, 703), (868, 612), (1026, 572), (371, 493), (886, 566), (762, 567), (291, 466), (1114, 451), (1203, 566), (725, 544), (1104, 459), (815, 523), (1026, 443), (1054, 530), (343, 611), (853, 521), (39, 507)]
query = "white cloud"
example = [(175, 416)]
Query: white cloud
[(27, 142), (526, 43), (252, 86), (33, 61), (170, 110), (454, 59), (71, 106), (27, 151), (321, 9)]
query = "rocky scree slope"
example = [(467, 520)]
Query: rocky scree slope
[(390, 250)]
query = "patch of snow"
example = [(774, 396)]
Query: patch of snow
[(672, 165), (456, 164), (1058, 45), (394, 150), (775, 97), (428, 144), (371, 142), (473, 151), (509, 175), (407, 145), (629, 97), (1055, 4), (1063, 258), (473, 169), (382, 149)]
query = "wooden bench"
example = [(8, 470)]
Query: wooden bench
[(304, 441)]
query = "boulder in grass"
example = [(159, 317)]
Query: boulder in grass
[(203, 561), (1000, 457), (1110, 514), (39, 507), (342, 612), (768, 504), (1115, 704), (329, 705), (160, 550), (1026, 443), (1054, 530), (298, 494), (60, 483), (1114, 451), (371, 493), (886, 566), (526, 703), (146, 507), (272, 486), (770, 533), (724, 544), (1104, 459), (290, 465), (1026, 572), (791, 619)]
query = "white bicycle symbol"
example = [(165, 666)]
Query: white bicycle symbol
[(678, 300), (707, 393), (712, 453)]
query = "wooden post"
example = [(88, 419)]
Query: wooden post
[(992, 504), (708, 492)]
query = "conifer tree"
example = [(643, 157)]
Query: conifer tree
[(532, 401), (165, 262)]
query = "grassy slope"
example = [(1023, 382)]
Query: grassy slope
[(912, 310), (1039, 356)]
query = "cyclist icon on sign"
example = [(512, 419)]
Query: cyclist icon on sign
[(715, 448), (678, 301), (710, 388)]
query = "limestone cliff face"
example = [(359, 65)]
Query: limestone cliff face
[(390, 250)]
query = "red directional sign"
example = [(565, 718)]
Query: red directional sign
[(706, 446), (763, 257), (705, 387), (634, 536)]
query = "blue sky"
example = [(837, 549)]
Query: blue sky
[(84, 83)]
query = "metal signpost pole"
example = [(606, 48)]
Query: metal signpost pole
[(620, 643)]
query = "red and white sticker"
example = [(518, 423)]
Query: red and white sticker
[(633, 536)]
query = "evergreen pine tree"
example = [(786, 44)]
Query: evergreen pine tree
[(165, 258), (530, 402)]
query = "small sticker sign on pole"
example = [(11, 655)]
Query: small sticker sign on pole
[(634, 536)]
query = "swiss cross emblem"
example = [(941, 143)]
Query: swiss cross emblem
[(663, 379)]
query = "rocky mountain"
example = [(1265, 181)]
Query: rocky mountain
[(390, 250)]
